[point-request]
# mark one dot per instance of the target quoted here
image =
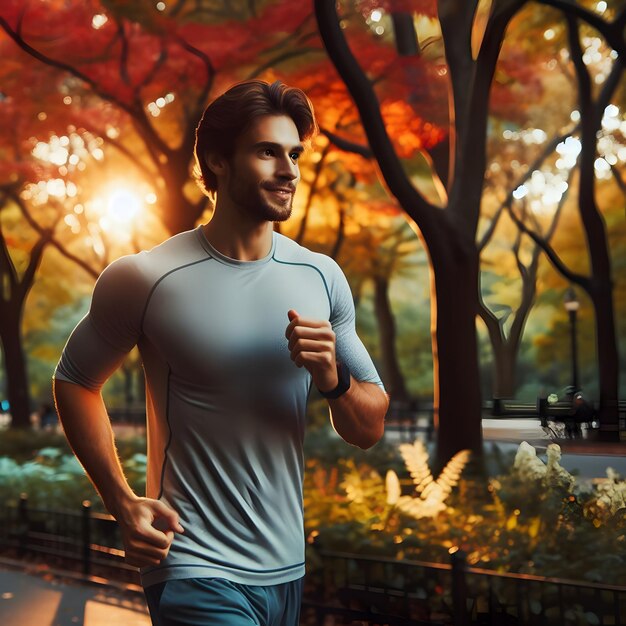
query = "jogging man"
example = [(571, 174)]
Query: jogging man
[(234, 323)]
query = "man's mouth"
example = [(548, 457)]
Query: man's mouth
[(281, 188), (282, 191)]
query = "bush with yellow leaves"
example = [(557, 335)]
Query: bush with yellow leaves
[(531, 518)]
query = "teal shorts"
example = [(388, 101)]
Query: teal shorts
[(220, 602)]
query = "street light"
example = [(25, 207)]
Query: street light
[(572, 305)]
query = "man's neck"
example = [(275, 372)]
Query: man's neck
[(240, 238)]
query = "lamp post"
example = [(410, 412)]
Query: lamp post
[(572, 305)]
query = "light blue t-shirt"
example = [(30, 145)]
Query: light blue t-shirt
[(225, 403)]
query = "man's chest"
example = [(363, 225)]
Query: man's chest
[(212, 321)]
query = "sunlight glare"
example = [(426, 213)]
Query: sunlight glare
[(123, 206)]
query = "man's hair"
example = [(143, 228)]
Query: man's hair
[(231, 114)]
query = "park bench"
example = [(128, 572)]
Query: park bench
[(565, 414), (512, 408), (408, 417)]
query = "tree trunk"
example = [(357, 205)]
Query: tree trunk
[(387, 334), (601, 282), (608, 358), (504, 372), (457, 401), (447, 235), (506, 349), (15, 368), (179, 214)]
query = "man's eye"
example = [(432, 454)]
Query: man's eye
[(268, 152), (295, 156)]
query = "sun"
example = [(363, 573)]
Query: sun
[(123, 206)]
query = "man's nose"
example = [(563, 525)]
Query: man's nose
[(288, 169)]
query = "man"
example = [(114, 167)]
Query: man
[(234, 323)]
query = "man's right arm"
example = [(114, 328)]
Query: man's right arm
[(88, 430), (95, 349)]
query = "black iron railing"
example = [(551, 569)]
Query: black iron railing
[(383, 590), (89, 541), (343, 588)]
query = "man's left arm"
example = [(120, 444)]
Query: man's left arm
[(358, 414)]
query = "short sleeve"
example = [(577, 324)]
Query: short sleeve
[(111, 328), (349, 347)]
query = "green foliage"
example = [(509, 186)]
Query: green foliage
[(532, 518), (42, 466), (22, 445), (326, 449)]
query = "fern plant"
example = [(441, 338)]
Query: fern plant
[(431, 493)]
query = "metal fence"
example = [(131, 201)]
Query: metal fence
[(343, 588), (89, 541), (377, 590)]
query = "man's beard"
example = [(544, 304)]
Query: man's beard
[(257, 202)]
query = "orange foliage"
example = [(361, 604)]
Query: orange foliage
[(410, 133)]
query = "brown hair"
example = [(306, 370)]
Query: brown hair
[(229, 115)]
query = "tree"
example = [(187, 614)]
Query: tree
[(154, 73), (448, 234), (505, 336), (472, 35), (599, 284)]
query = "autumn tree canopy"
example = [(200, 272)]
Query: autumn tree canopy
[(463, 110)]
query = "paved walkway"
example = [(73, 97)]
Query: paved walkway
[(37, 599), (589, 459)]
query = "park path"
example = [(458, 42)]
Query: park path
[(32, 599)]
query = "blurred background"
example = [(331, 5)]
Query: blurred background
[(99, 102), (469, 177)]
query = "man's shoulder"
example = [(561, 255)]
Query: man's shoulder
[(290, 251), (143, 269)]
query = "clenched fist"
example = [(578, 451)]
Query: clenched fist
[(147, 528), (312, 345)]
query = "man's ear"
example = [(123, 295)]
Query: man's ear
[(216, 163)]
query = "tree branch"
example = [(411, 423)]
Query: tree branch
[(549, 251), (33, 264), (611, 31), (141, 123), (466, 187), (486, 238), (312, 191), (52, 240), (208, 66), (608, 89), (123, 54), (494, 328), (618, 179), (46, 60), (369, 109), (280, 58), (515, 249), (529, 278), (154, 69), (549, 148), (346, 145), (7, 268)]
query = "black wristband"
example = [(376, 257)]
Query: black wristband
[(343, 374)]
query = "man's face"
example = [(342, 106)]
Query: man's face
[(263, 172)]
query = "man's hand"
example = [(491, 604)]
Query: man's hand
[(358, 415), (312, 345), (148, 528)]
